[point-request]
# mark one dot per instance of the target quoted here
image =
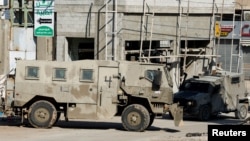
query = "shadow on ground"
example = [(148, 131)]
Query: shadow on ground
[(220, 119), (96, 125)]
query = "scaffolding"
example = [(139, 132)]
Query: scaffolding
[(234, 57), (176, 54), (110, 29), (177, 51), (186, 42), (21, 13), (142, 57), (239, 54), (186, 52)]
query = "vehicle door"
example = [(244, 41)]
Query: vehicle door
[(107, 92)]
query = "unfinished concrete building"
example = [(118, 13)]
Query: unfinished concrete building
[(179, 33)]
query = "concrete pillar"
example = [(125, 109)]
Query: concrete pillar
[(44, 48), (4, 45), (62, 49)]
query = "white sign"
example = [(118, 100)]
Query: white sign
[(44, 18)]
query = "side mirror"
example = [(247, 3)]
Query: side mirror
[(157, 78), (156, 84)]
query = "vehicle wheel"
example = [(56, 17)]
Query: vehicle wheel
[(42, 114), (58, 117), (135, 117), (204, 113), (215, 115), (241, 113), (152, 118)]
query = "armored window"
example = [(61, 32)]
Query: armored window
[(32, 72), (235, 80), (86, 75), (59, 74), (149, 74)]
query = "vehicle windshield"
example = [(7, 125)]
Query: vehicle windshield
[(195, 86)]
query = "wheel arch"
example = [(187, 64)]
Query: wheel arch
[(136, 100), (142, 101), (244, 101), (37, 98)]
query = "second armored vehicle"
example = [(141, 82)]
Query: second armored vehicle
[(206, 96)]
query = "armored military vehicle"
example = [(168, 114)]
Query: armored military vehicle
[(206, 96), (91, 89)]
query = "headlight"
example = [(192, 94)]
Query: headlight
[(191, 103)]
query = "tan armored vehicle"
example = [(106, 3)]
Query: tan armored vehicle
[(206, 96), (91, 89)]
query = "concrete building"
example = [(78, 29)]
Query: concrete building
[(178, 33), (128, 30)]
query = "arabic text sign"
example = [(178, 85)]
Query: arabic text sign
[(44, 18)]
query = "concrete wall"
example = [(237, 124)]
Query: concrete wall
[(4, 45), (86, 19), (44, 50), (165, 27), (22, 45), (244, 3), (171, 6)]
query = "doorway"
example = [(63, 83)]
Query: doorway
[(81, 48)]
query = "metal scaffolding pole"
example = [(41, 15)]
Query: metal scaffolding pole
[(110, 30)]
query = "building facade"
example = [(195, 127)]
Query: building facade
[(178, 33), (131, 30)]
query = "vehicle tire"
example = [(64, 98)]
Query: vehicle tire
[(135, 117), (215, 115), (58, 117), (241, 112), (42, 114), (204, 113), (152, 118)]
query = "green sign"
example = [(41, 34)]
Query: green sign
[(44, 31), (44, 18)]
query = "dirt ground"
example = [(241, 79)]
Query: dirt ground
[(163, 129)]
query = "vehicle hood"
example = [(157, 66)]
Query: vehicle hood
[(186, 94)]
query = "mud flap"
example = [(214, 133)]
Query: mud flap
[(177, 113)]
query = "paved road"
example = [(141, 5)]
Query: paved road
[(163, 129)]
